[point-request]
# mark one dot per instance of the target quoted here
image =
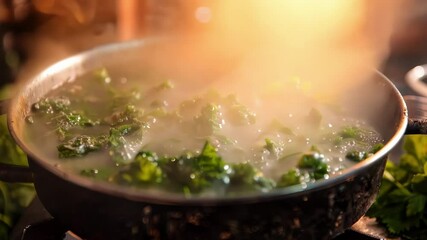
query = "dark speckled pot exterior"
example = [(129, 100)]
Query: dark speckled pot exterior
[(103, 211), (318, 214)]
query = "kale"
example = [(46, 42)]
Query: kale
[(208, 166), (357, 156), (65, 121), (129, 96), (209, 163), (273, 148), (180, 174), (246, 177), (165, 85), (118, 97), (290, 178), (193, 173), (263, 184), (376, 148), (238, 114), (80, 145), (401, 202), (122, 123), (52, 105), (242, 173), (196, 173), (118, 144), (315, 163), (102, 75), (58, 113), (116, 133), (350, 132), (209, 121), (79, 119), (311, 160), (190, 173), (129, 115), (270, 146), (144, 170)]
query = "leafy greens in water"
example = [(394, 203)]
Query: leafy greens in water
[(122, 127)]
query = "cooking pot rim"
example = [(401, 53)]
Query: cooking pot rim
[(16, 110)]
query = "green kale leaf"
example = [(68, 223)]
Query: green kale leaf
[(57, 112), (80, 145), (245, 177), (117, 143), (350, 132), (315, 163), (52, 105), (238, 114), (209, 163), (358, 156), (144, 170), (209, 121), (129, 115), (196, 173), (290, 178)]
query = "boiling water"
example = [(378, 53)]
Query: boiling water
[(178, 116)]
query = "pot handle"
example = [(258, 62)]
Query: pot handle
[(417, 105), (9, 172), (415, 78), (417, 112), (15, 173)]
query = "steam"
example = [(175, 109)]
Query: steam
[(255, 48), (259, 46), (258, 49), (65, 28), (329, 45)]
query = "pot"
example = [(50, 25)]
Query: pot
[(97, 210)]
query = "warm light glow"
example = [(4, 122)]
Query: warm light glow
[(330, 43), (327, 45), (129, 24)]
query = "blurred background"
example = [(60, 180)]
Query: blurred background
[(36, 33)]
